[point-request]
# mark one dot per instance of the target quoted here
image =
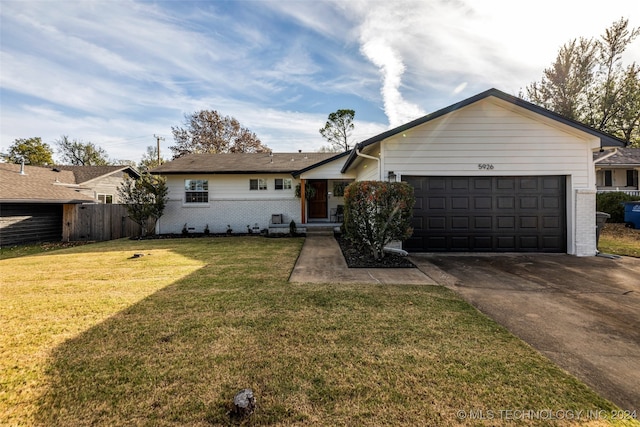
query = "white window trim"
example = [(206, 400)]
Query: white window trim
[(285, 181), (205, 182), (259, 181), (104, 196)]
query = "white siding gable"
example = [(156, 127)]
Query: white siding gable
[(491, 137), (329, 170)]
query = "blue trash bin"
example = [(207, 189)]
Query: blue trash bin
[(632, 214)]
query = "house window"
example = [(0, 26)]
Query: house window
[(632, 178), (283, 184), (338, 188), (196, 191), (608, 178), (257, 184), (105, 198)]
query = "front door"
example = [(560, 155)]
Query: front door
[(318, 203)]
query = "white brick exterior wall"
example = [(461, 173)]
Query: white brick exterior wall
[(585, 223), (220, 213)]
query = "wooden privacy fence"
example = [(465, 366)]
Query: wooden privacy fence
[(98, 223)]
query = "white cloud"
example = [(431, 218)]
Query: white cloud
[(398, 110), (459, 88), (110, 72), (431, 52)]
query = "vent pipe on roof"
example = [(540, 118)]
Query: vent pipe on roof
[(22, 172)]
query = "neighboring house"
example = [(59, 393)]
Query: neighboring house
[(34, 199), (617, 170), (32, 203), (492, 173), (100, 182)]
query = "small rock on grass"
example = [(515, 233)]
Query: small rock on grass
[(244, 403)]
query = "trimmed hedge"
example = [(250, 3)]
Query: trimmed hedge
[(377, 213)]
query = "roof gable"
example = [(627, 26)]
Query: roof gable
[(606, 140), (85, 174)]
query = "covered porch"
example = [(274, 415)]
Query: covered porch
[(322, 202)]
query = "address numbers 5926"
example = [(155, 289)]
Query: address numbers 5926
[(485, 166)]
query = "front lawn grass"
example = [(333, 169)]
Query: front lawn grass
[(91, 336)]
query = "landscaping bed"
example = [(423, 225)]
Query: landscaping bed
[(359, 257)]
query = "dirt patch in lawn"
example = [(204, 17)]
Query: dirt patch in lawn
[(621, 231), (620, 240)]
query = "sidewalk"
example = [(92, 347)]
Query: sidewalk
[(321, 261)]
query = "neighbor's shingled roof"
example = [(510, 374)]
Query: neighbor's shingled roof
[(623, 157), (38, 185), (241, 163), (87, 173)]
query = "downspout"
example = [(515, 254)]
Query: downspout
[(366, 156), (606, 156), (596, 163)]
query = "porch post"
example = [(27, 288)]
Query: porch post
[(303, 202)]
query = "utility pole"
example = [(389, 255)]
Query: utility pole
[(158, 139)]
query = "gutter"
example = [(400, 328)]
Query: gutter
[(366, 156), (606, 156)]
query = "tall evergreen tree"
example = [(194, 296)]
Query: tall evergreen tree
[(337, 130)]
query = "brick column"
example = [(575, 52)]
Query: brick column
[(585, 222)]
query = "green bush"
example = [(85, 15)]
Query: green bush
[(376, 213), (146, 198), (613, 204)]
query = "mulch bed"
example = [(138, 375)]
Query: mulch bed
[(358, 257)]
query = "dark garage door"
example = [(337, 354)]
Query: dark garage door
[(488, 214)]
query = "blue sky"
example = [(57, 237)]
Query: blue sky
[(116, 73)]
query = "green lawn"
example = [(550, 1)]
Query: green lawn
[(91, 336)]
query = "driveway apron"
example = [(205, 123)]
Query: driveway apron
[(581, 313)]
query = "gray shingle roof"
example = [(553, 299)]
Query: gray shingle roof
[(87, 173), (38, 185), (236, 163), (623, 157)]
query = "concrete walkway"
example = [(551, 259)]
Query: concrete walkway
[(321, 261)]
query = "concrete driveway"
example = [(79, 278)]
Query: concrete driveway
[(582, 313)]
